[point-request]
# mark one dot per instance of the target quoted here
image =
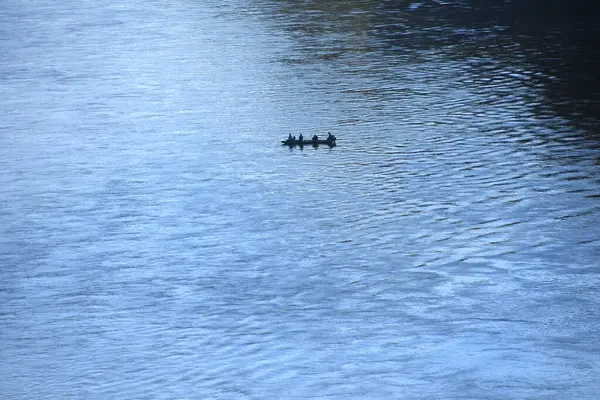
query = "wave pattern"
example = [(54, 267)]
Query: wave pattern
[(157, 242)]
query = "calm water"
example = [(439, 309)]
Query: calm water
[(157, 242)]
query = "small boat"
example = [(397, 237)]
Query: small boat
[(295, 142)]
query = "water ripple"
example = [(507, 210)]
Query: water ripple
[(156, 240)]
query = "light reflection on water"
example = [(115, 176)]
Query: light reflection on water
[(158, 242)]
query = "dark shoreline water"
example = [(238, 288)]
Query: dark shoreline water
[(560, 41)]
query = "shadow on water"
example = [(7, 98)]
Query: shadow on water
[(555, 41), (561, 39)]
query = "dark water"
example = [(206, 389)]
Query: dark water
[(157, 242)]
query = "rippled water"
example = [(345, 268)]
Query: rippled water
[(156, 241)]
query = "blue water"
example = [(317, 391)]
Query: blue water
[(157, 241)]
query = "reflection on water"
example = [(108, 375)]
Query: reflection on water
[(157, 241), (550, 51)]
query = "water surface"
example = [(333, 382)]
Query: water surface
[(157, 241)]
